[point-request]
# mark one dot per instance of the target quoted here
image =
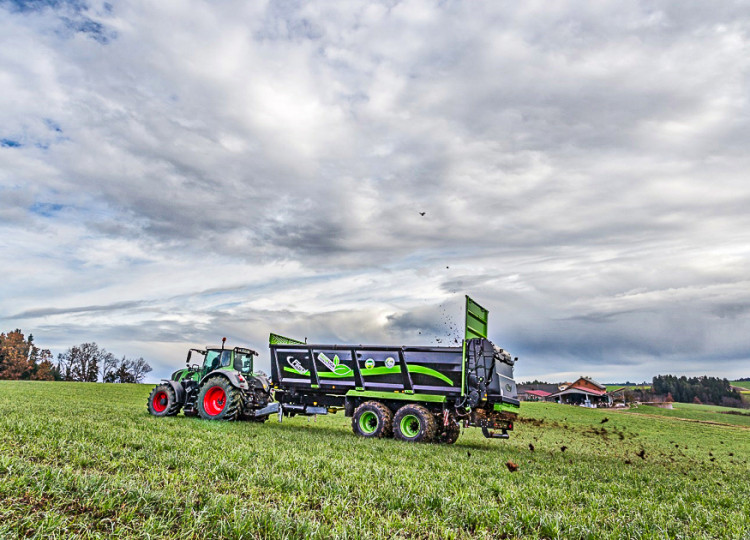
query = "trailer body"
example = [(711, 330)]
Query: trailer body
[(471, 384)]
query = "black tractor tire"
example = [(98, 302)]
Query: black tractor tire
[(414, 423), (219, 400), (372, 419), (449, 434), (163, 401), (259, 419)]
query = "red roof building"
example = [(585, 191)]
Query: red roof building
[(585, 392), (533, 395)]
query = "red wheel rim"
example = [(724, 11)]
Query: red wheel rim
[(159, 403), (214, 400)]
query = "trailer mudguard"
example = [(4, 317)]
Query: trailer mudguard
[(231, 376), (179, 391)]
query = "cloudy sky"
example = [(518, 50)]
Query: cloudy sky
[(173, 172)]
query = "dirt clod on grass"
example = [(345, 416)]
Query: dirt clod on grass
[(512, 467)]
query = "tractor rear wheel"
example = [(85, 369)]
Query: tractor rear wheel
[(372, 419), (219, 400), (414, 423), (162, 401)]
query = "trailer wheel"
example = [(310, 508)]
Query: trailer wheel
[(372, 419), (219, 400), (450, 434), (162, 401), (414, 423)]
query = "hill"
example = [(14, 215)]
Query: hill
[(86, 460)]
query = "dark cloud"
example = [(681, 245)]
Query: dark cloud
[(44, 312)]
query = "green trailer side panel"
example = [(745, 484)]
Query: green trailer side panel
[(476, 320), (396, 395), (276, 339), (509, 407)]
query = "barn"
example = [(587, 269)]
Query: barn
[(533, 395), (584, 392)]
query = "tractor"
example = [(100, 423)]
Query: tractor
[(221, 387)]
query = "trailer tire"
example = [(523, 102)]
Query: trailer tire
[(449, 434), (163, 401), (219, 400), (372, 419), (414, 423)]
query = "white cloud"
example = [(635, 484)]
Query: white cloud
[(175, 172)]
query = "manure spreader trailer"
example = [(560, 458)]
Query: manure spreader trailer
[(417, 394)]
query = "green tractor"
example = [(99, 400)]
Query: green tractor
[(222, 387)]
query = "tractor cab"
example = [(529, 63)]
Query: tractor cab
[(237, 359)]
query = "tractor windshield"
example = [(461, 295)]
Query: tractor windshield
[(243, 362), (216, 359)]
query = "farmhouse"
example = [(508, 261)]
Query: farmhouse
[(532, 395), (585, 392)]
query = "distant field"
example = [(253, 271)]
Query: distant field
[(742, 384), (87, 461), (703, 413), (611, 387)]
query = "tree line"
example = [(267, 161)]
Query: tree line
[(21, 359), (704, 389)]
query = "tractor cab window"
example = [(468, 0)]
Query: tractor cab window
[(243, 362), (217, 359)]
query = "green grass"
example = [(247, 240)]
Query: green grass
[(611, 387), (741, 384), (702, 413), (86, 460)]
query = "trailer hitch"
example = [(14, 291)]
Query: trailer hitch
[(495, 435)]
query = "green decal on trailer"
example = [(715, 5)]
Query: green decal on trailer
[(367, 372), (476, 320)]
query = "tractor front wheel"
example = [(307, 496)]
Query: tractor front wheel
[(372, 419), (162, 401), (219, 400), (414, 423)]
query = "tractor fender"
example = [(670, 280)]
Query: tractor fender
[(231, 376), (179, 391)]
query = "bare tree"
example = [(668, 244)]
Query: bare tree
[(81, 363), (139, 368), (109, 368), (125, 370)]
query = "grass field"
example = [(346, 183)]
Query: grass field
[(86, 460), (611, 387), (702, 413), (741, 384)]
